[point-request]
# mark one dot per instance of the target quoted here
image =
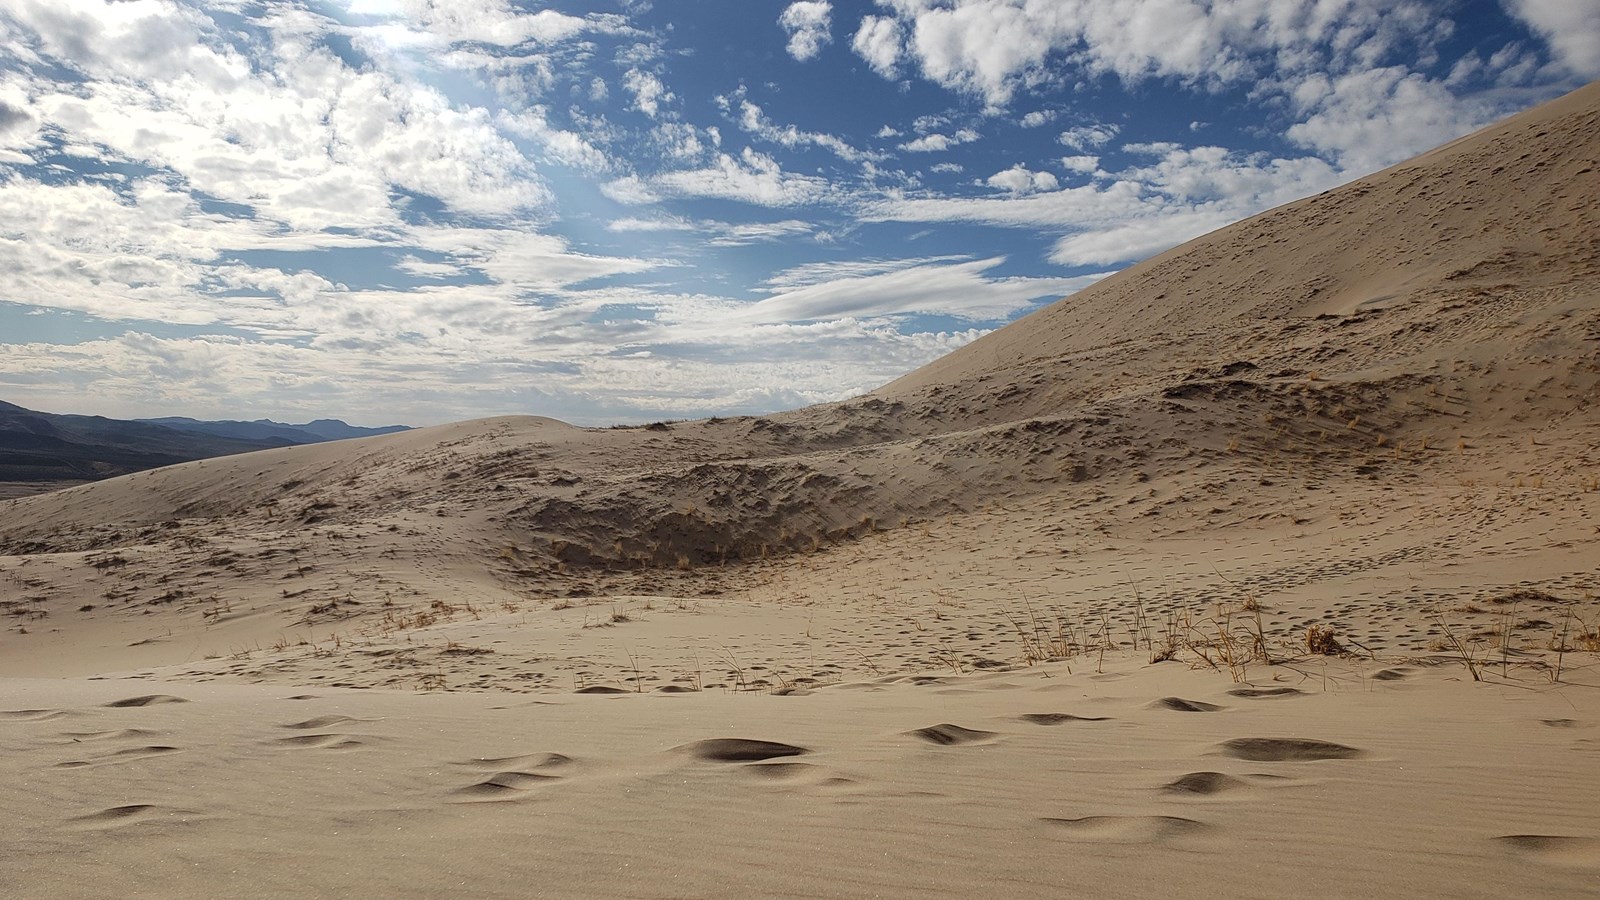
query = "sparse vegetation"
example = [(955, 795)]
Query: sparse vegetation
[(1462, 650), (1320, 641)]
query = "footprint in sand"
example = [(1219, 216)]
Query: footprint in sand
[(799, 775), (1270, 693), (1287, 750), (33, 715), (738, 750), (323, 741), (781, 771), (146, 700), (1059, 718), (947, 735), (1178, 704), (133, 814), (128, 755), (504, 785), (512, 775), (1204, 784), (1559, 849), (79, 737), (525, 761), (1129, 829), (323, 722)]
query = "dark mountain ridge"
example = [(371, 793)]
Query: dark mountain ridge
[(49, 447), (313, 432)]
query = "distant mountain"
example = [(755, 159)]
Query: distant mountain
[(44, 447), (267, 430)]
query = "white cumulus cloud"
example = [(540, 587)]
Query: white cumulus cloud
[(1018, 180), (648, 91), (1571, 26), (878, 41), (808, 23), (936, 142)]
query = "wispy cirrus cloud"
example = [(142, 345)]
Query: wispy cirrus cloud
[(956, 289), (751, 177), (1181, 193)]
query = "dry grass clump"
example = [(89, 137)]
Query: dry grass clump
[(1584, 637), (1052, 636), (1467, 654), (1321, 642), (1228, 639), (1526, 595), (27, 609)]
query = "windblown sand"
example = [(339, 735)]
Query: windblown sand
[(1265, 568)]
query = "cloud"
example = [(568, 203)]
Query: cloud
[(717, 234), (754, 121), (1371, 119), (1084, 164), (19, 123), (955, 289), (562, 147), (878, 41), (523, 260), (1038, 117), (576, 360), (938, 143), (648, 92), (669, 223), (492, 22), (1181, 193), (1137, 239), (630, 190), (815, 273), (1571, 26), (993, 48), (681, 141), (752, 177), (738, 235), (316, 145), (138, 250), (1085, 137), (1018, 180), (808, 24), (149, 252)]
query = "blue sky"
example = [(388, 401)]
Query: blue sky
[(422, 211)]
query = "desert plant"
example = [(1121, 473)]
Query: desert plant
[(1462, 651), (736, 670), (1321, 642)]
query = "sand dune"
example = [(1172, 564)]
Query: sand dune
[(1265, 566)]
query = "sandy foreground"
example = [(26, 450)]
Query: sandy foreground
[(1395, 780), (1269, 567)]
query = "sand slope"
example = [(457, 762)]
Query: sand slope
[(984, 628)]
